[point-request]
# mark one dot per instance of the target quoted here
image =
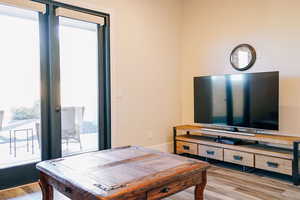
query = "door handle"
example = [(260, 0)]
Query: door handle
[(57, 109)]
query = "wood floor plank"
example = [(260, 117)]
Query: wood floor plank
[(223, 184), (247, 182)]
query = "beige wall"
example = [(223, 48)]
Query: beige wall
[(145, 68), (159, 45), (212, 28)]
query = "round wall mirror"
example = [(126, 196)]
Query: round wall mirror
[(242, 57)]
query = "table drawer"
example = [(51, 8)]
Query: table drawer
[(238, 157), (174, 187), (186, 147), (279, 165), (210, 152)]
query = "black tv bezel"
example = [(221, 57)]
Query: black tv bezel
[(237, 128)]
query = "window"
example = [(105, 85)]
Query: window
[(54, 84), (19, 86), (79, 85)]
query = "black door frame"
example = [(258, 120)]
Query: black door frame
[(50, 92)]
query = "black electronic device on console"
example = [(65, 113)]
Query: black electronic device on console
[(231, 141)]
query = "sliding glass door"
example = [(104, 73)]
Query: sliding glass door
[(19, 86), (79, 87), (54, 85), (20, 99)]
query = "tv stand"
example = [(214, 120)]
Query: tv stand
[(252, 152)]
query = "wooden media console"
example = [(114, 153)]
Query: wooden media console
[(254, 151)]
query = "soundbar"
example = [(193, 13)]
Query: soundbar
[(228, 132)]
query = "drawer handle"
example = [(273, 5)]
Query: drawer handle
[(165, 190), (272, 164), (235, 157), (68, 190), (186, 147), (210, 152)]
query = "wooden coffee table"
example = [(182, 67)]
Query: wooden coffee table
[(126, 173)]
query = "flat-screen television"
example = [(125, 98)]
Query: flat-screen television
[(248, 100)]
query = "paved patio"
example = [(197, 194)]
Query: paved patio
[(24, 155)]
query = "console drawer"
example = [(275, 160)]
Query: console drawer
[(238, 157), (210, 152), (186, 147), (279, 165)]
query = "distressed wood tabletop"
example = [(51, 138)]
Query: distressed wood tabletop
[(121, 173)]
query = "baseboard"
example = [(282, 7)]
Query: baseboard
[(164, 147)]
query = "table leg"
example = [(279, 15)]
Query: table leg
[(199, 190), (47, 190)]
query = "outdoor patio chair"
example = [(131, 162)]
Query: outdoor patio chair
[(71, 121), (38, 133)]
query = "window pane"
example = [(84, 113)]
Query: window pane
[(79, 86), (19, 87)]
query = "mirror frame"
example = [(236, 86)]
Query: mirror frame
[(252, 61)]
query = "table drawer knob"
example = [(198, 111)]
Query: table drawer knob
[(68, 190), (210, 152), (165, 190), (272, 164), (235, 157), (186, 147)]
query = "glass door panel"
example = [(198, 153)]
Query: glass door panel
[(19, 87), (78, 86)]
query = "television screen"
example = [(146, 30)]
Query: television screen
[(239, 100)]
